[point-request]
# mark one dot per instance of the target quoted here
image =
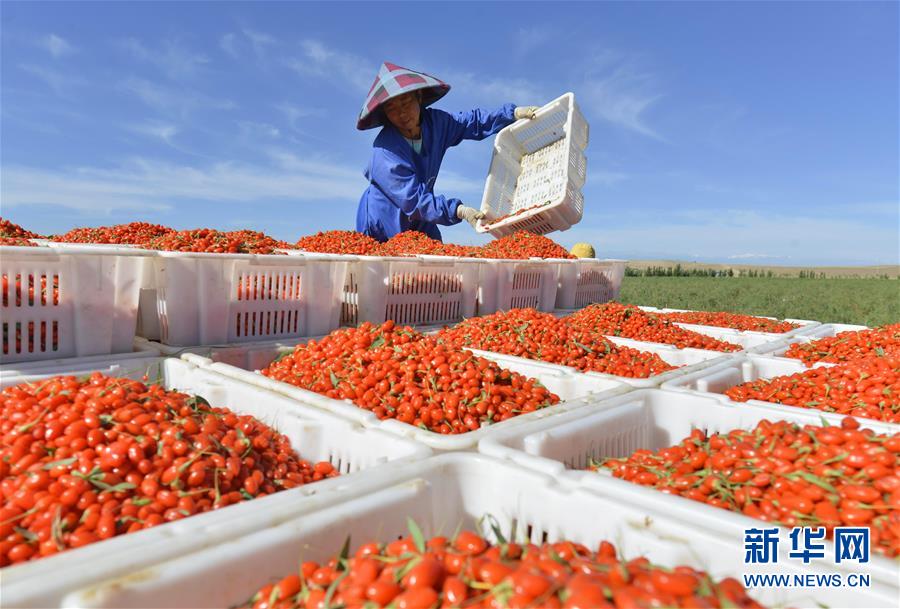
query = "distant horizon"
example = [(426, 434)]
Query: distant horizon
[(734, 133)]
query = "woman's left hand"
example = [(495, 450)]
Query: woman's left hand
[(526, 112)]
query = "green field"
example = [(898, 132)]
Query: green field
[(856, 301)]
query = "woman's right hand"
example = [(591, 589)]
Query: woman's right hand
[(469, 214)]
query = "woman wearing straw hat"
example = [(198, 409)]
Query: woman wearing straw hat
[(407, 153)]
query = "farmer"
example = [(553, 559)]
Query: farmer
[(407, 153)]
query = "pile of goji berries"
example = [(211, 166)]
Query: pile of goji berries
[(848, 345), (722, 319), (868, 387), (629, 321), (523, 245), (213, 241), (783, 473), (400, 374), (85, 460), (11, 229), (541, 336), (339, 242), (519, 246), (468, 571), (133, 233), (413, 242), (17, 242)]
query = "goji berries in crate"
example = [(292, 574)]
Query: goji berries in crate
[(462, 497), (867, 388), (315, 436), (650, 420), (537, 172), (842, 336), (64, 303), (684, 360), (746, 323), (588, 281), (204, 299), (573, 390)]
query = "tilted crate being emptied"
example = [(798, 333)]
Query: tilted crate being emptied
[(537, 172)]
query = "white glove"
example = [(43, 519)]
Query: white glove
[(469, 214), (526, 112)]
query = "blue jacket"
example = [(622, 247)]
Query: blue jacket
[(400, 195)]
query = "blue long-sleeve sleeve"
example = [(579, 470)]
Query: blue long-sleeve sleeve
[(478, 124), (398, 180)]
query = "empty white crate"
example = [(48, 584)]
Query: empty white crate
[(574, 390), (587, 281), (200, 299), (537, 171), (443, 494), (317, 436), (653, 419), (66, 303)]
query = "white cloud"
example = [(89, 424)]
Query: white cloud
[(293, 112), (340, 67), (158, 185), (155, 130), (483, 90), (227, 44), (170, 58), (170, 99), (60, 82), (725, 233), (56, 45), (750, 256), (615, 90), (259, 41), (255, 130)]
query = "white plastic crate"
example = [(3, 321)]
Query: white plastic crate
[(653, 419), (442, 494), (411, 290), (687, 360), (317, 435), (67, 303), (574, 390), (514, 284), (537, 171), (248, 356), (806, 325), (715, 380), (587, 281), (812, 334), (201, 299)]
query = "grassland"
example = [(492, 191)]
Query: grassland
[(890, 270), (857, 301)]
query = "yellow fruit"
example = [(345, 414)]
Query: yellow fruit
[(583, 250)]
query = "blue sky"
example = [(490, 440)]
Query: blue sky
[(745, 132)]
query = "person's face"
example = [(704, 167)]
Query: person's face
[(403, 112)]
